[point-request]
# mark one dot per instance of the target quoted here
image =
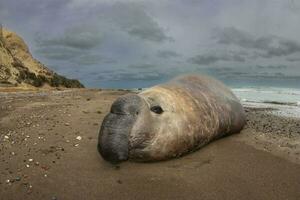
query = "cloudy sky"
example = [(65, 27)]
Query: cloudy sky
[(138, 43)]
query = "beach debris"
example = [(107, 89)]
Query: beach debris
[(46, 168), (76, 145), (54, 198), (78, 138), (29, 191), (27, 165), (117, 167), (6, 137), (30, 160)]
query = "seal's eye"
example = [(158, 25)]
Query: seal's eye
[(157, 109)]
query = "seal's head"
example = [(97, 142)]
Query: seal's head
[(140, 127)]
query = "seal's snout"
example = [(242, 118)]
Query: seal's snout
[(127, 105), (113, 144)]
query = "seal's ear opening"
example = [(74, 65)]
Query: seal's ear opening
[(157, 109)]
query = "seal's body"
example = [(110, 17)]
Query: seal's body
[(169, 120)]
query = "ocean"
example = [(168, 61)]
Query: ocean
[(285, 101)]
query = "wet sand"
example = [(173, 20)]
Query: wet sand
[(42, 156)]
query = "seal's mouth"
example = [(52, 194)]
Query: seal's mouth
[(113, 141)]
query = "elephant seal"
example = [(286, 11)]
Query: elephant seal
[(169, 120)]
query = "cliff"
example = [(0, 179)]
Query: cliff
[(19, 68)]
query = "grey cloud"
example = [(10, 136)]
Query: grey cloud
[(74, 56), (270, 45), (88, 59), (271, 66), (167, 54), (211, 58), (124, 75), (58, 53), (133, 19), (80, 37), (142, 66), (293, 59)]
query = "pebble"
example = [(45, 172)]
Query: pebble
[(30, 160), (67, 124), (76, 145), (27, 166), (78, 138)]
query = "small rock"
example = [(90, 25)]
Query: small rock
[(18, 178), (6, 137), (30, 160), (27, 166), (67, 124), (76, 145), (78, 138)]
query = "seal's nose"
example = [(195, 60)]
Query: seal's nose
[(113, 144), (127, 105)]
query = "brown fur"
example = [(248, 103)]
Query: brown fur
[(197, 110)]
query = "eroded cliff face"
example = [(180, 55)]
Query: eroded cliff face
[(19, 68)]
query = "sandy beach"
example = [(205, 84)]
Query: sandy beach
[(48, 151)]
